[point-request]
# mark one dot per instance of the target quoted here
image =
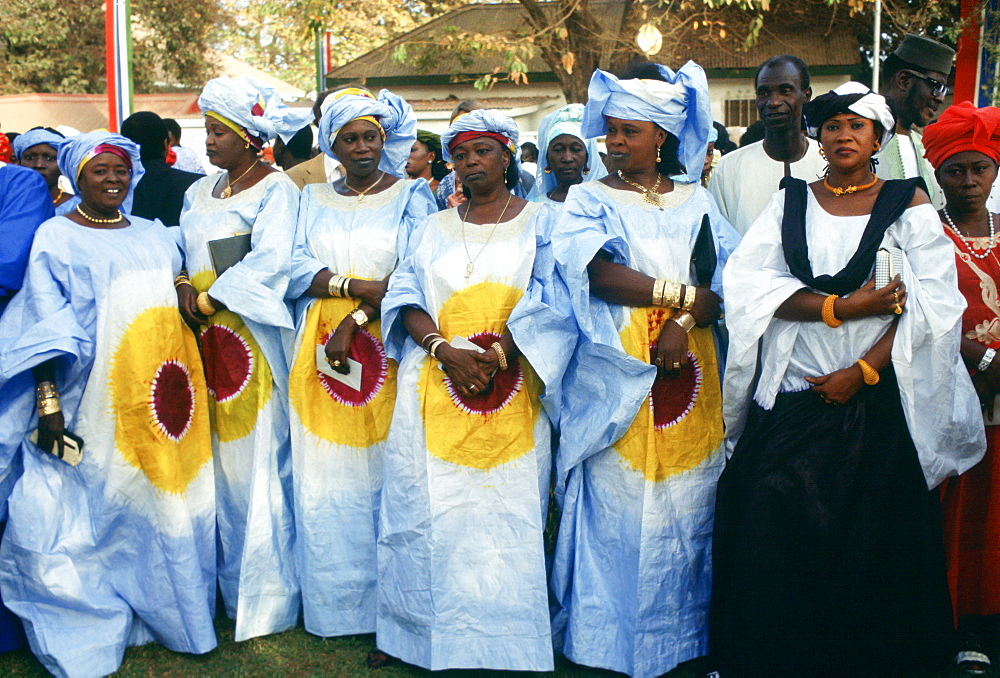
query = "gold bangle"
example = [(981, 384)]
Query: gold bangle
[(672, 295), (827, 311), (501, 356), (46, 389), (359, 316), (333, 285), (48, 406), (345, 287), (690, 294), (429, 335), (685, 320), (870, 373), (182, 279), (432, 349), (204, 304), (657, 298)]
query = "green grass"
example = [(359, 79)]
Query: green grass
[(296, 653)]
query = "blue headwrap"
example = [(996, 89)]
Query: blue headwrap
[(389, 112), (36, 136), (253, 107), (78, 150), (680, 106), (565, 120), (481, 120)]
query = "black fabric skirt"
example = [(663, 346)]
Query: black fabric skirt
[(828, 556)]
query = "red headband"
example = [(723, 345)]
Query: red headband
[(963, 127), (108, 148), (462, 137)]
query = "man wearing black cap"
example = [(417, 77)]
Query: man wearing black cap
[(915, 80), (160, 192)]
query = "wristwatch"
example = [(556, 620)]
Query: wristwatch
[(360, 317)]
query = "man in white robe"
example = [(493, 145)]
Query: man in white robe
[(915, 81), (744, 180)]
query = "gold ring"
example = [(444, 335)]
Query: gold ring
[(659, 361), (473, 389), (333, 363), (895, 296), (898, 309), (677, 366)]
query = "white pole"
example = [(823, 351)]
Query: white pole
[(877, 45)]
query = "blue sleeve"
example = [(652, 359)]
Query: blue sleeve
[(24, 204), (304, 266)]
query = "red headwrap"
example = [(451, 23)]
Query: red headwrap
[(462, 137), (963, 127), (5, 151)]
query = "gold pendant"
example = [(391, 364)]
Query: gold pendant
[(227, 192), (653, 198), (468, 270), (361, 198)]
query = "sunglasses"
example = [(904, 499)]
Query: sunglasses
[(939, 88)]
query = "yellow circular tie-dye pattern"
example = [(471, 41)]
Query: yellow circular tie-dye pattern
[(485, 431), (681, 425), (159, 397), (328, 409)]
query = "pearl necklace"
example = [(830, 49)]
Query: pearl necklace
[(100, 221), (967, 239)]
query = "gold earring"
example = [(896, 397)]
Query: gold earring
[(877, 146), (657, 156), (246, 144), (822, 153)]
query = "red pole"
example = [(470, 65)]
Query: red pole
[(110, 63), (967, 59)]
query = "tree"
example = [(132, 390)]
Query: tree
[(277, 36), (58, 46), (573, 37)]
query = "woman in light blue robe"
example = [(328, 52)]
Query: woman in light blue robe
[(243, 317), (641, 445), (563, 148), (462, 581), (356, 227), (119, 549)]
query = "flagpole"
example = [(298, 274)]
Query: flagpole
[(877, 45), (118, 60)]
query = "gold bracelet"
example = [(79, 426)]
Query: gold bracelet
[(359, 316), (345, 287), (333, 285), (182, 279), (827, 311), (685, 320), (870, 373), (47, 406), (204, 304), (501, 356), (46, 389), (657, 295), (429, 335), (690, 294), (432, 349), (672, 295)]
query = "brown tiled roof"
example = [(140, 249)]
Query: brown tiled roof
[(821, 41)]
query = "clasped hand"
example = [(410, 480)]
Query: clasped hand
[(867, 301), (471, 372)]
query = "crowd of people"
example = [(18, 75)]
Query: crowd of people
[(643, 405)]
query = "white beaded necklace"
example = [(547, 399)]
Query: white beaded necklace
[(967, 239)]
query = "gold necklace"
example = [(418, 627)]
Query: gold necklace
[(100, 221), (55, 200), (650, 195), (227, 192), (361, 194), (847, 189), (472, 260)]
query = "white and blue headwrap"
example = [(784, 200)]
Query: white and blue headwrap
[(565, 120), (78, 151), (482, 120), (252, 109), (389, 112), (36, 136), (680, 106)]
